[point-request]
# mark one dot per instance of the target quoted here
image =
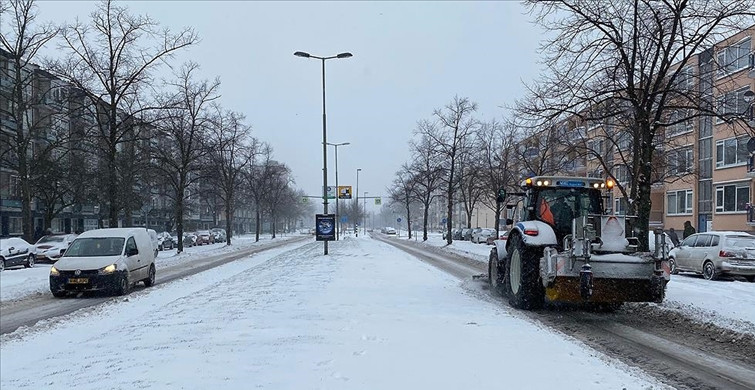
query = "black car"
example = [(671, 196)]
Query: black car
[(16, 251)]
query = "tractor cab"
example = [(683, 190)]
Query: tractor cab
[(557, 201)]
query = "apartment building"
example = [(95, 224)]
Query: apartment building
[(59, 109), (703, 168)]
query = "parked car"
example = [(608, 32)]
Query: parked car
[(16, 251), (165, 241), (49, 248), (458, 234), (219, 234), (452, 232), (205, 238), (189, 239), (714, 254), (480, 236), (501, 236), (105, 259)]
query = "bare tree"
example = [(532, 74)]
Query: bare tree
[(498, 146), (256, 176), (633, 52), (428, 173), (278, 185), (403, 192), (111, 60), (449, 132), (21, 39), (183, 131), (229, 156)]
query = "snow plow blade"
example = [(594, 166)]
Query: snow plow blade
[(567, 289)]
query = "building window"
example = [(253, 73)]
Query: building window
[(594, 149), (15, 187), (620, 206), (624, 143), (680, 161), (621, 174), (14, 226), (679, 202), (732, 105), (682, 121), (732, 197), (733, 58), (731, 152), (685, 81)]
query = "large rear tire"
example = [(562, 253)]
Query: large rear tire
[(495, 275), (522, 279)]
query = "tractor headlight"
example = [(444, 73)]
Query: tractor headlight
[(108, 270), (54, 271)]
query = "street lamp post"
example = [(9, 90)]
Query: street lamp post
[(364, 220), (356, 227), (338, 194), (324, 132)]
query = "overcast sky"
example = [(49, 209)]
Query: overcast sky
[(409, 58)]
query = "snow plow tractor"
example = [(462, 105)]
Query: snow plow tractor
[(563, 247)]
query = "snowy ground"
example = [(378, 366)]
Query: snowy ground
[(725, 303), (367, 316), (18, 282)]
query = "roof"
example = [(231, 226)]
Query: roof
[(111, 232)]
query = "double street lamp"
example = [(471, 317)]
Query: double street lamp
[(324, 132), (338, 193)]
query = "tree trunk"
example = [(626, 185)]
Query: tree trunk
[(409, 222), (257, 225), (273, 219), (228, 221), (180, 216), (424, 221)]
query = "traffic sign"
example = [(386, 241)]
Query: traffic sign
[(398, 219), (443, 220), (331, 191), (344, 192), (378, 201)]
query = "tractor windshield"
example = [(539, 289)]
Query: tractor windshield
[(559, 206)]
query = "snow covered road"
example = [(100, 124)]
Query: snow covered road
[(367, 316)]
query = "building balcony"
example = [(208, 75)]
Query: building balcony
[(751, 167), (751, 216)]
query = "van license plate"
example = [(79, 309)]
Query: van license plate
[(78, 280)]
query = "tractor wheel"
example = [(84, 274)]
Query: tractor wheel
[(494, 273), (523, 276)]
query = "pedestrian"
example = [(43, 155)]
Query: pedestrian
[(688, 229), (674, 238), (38, 233)]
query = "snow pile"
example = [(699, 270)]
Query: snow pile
[(365, 317)]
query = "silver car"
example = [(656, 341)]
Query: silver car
[(713, 254), (482, 235)]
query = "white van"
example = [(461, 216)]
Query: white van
[(105, 259)]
